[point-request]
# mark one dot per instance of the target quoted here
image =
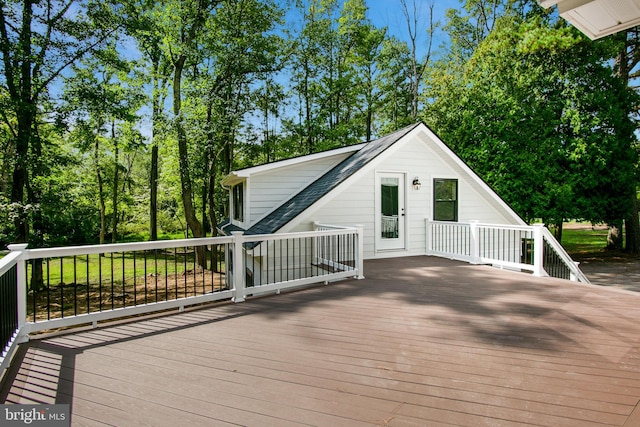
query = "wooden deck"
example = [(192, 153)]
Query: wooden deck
[(422, 341)]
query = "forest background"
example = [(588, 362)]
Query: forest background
[(119, 119)]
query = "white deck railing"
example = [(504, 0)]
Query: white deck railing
[(42, 289), (528, 248), (329, 249)]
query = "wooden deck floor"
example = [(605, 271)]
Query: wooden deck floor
[(422, 342)]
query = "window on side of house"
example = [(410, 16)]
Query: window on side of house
[(445, 199), (238, 202)]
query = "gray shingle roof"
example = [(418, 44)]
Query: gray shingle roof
[(327, 182)]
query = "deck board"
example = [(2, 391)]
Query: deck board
[(421, 341)]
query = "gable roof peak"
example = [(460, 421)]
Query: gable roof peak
[(327, 182)]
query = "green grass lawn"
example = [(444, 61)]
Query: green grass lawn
[(113, 267), (584, 241), (589, 244), (82, 284)]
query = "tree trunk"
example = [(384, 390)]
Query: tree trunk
[(614, 237), (20, 175), (153, 198), (26, 113), (183, 159), (204, 197), (212, 212), (557, 231), (153, 173), (116, 177), (103, 216), (632, 228), (623, 65)]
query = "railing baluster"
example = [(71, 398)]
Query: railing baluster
[(48, 292), (88, 292), (274, 261), (175, 271), (61, 285), (111, 262), (195, 267), (204, 272), (262, 262), (124, 297), (146, 288), (185, 268), (75, 287), (135, 280)]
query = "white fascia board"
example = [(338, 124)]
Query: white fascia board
[(244, 173), (241, 175)]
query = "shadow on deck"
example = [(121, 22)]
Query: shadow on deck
[(420, 341)]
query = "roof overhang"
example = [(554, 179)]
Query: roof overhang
[(598, 18), (238, 176), (232, 179)]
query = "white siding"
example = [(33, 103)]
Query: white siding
[(355, 202), (270, 189)]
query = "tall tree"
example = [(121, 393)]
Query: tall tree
[(418, 65), (313, 51), (100, 98), (626, 69), (363, 44), (139, 21), (532, 111), (38, 41), (239, 51), (396, 100), (182, 24)]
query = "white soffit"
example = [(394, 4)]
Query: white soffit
[(598, 18)]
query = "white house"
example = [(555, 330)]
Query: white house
[(390, 186)]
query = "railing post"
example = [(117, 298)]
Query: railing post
[(474, 242), (572, 276), (427, 236), (538, 250), (238, 267), (360, 251), (314, 245), (21, 283)]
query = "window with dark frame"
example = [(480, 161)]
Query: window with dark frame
[(445, 199), (238, 202)]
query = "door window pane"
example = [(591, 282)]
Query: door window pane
[(389, 188)]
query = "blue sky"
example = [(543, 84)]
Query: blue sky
[(389, 13)]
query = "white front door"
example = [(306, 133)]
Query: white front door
[(390, 215)]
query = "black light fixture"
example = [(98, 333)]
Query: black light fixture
[(416, 183)]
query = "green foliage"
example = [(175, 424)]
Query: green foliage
[(539, 114), (214, 85)]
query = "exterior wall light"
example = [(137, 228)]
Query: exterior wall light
[(416, 183)]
